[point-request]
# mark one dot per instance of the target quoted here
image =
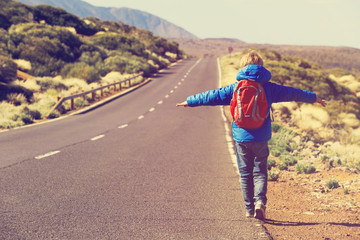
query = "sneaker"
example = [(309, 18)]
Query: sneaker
[(249, 215), (260, 211)]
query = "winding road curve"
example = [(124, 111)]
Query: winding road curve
[(135, 168)]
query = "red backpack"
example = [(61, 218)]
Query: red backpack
[(249, 106)]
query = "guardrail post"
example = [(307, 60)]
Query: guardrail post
[(93, 94), (72, 104)]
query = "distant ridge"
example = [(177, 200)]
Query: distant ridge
[(328, 57), (136, 18)]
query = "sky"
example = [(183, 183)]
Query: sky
[(289, 22)]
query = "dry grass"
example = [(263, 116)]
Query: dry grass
[(23, 64), (348, 81), (30, 84), (310, 117), (229, 68), (9, 115), (46, 92)]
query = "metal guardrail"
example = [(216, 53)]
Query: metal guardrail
[(93, 92)]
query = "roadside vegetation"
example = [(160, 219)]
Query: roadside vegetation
[(308, 138), (46, 53)]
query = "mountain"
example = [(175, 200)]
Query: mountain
[(136, 18)]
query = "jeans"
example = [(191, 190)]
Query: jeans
[(252, 162)]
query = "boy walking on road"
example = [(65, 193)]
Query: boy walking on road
[(251, 141)]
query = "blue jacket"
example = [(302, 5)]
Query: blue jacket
[(274, 93)]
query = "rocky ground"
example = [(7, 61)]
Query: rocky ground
[(300, 206)]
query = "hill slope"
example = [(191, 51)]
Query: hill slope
[(136, 18), (53, 46), (328, 57)]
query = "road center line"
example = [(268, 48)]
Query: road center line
[(151, 109), (167, 96), (47, 155), (123, 126), (97, 138), (141, 117), (160, 102)]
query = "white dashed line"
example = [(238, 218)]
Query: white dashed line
[(97, 138), (175, 87), (151, 109), (179, 83), (172, 91), (123, 126), (141, 117), (47, 155), (160, 102), (167, 96)]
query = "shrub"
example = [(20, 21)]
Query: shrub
[(283, 166), (26, 119), (112, 41), (288, 159), (332, 184), (80, 102), (81, 70), (16, 12), (275, 127), (273, 176), (307, 169), (4, 22), (53, 114), (57, 16), (270, 163), (8, 69), (34, 114), (54, 47), (282, 142), (275, 152), (116, 63), (16, 98), (46, 83), (5, 90)]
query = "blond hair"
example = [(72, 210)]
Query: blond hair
[(251, 58)]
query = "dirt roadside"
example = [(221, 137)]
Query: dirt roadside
[(302, 207)]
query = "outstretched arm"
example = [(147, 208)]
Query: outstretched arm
[(219, 96), (183, 104)]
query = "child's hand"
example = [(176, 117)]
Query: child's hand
[(321, 101), (183, 104)]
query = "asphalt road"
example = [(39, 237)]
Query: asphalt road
[(135, 168)]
